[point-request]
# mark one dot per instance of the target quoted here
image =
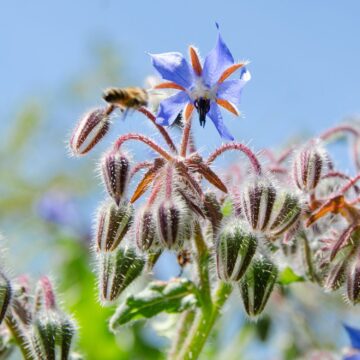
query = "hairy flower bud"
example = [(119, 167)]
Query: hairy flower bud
[(145, 229), (269, 210), (172, 223), (115, 168), (235, 248), (257, 285), (335, 272), (258, 201), (286, 212), (113, 224), (117, 270), (51, 330), (5, 296), (353, 281), (91, 128), (309, 165)]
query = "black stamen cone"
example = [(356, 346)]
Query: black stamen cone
[(202, 105)]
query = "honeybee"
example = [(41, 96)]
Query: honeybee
[(126, 98)]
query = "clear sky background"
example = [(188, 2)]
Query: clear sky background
[(305, 55)]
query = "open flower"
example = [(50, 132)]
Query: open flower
[(204, 87)]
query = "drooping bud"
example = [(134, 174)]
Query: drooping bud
[(5, 295), (257, 201), (353, 281), (257, 285), (310, 163), (112, 225), (235, 248), (115, 168), (91, 128), (285, 213), (117, 270), (172, 222), (145, 229), (335, 271)]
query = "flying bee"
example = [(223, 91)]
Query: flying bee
[(126, 98)]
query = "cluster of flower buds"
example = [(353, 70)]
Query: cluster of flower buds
[(269, 210), (40, 328)]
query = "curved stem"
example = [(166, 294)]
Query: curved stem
[(351, 183), (204, 323), (239, 147), (145, 140), (139, 166), (339, 129), (160, 128)]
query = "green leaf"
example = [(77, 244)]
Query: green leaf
[(174, 296), (287, 276)]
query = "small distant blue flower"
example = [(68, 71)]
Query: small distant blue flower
[(201, 86), (354, 335)]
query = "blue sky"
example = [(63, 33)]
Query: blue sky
[(305, 55)]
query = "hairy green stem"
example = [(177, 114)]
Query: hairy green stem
[(186, 320), (202, 262), (204, 323)]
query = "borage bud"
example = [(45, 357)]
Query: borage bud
[(257, 201), (353, 281), (336, 270), (285, 213), (91, 128), (235, 248), (173, 223), (145, 229), (309, 164), (5, 296), (257, 285), (112, 225), (115, 168), (117, 270)]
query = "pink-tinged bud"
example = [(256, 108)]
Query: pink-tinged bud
[(115, 168), (172, 223), (257, 201), (112, 225), (235, 247), (91, 128), (117, 270), (335, 274), (353, 281), (309, 164), (145, 229)]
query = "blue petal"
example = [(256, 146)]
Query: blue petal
[(231, 90), (352, 357), (218, 59), (354, 335), (172, 66), (170, 108), (215, 115)]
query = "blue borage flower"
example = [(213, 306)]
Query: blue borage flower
[(203, 87)]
